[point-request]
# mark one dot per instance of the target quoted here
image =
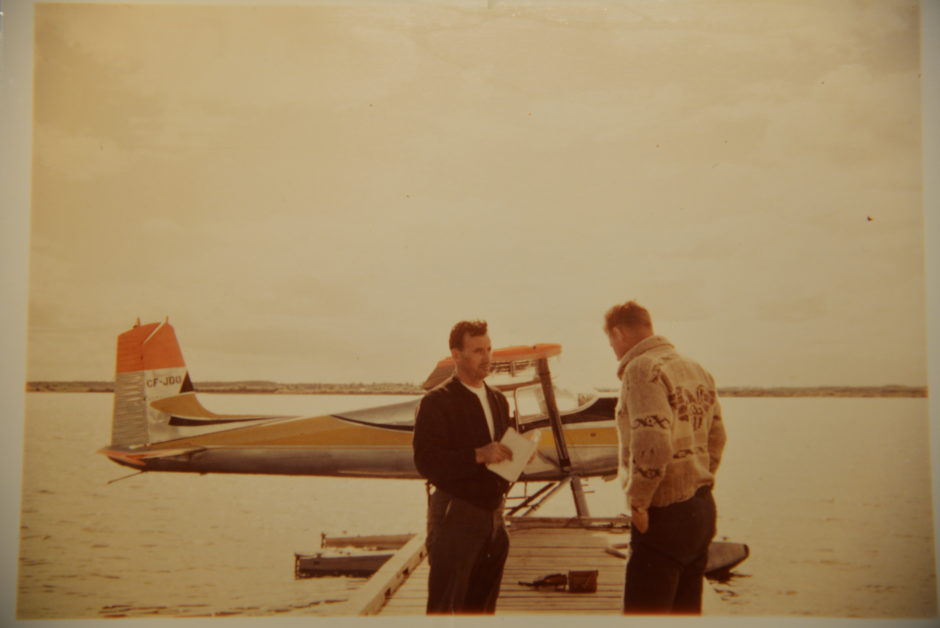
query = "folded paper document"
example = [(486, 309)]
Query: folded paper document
[(522, 448)]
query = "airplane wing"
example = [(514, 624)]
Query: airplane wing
[(511, 361)]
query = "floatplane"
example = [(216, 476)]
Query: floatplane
[(159, 424)]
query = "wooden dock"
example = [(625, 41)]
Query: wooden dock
[(538, 547)]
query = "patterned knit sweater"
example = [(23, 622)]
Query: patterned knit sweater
[(669, 423)]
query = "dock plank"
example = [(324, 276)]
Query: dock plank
[(536, 551), (533, 553)]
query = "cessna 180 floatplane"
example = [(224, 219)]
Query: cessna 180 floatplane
[(159, 424)]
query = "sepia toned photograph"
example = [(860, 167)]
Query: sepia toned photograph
[(526, 309)]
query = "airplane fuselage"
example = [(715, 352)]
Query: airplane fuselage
[(346, 446)]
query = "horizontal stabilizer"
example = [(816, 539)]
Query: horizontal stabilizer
[(186, 409)]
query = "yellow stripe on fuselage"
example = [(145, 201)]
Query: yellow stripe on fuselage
[(318, 431), (328, 430), (575, 436)]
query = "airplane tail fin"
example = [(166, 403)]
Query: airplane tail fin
[(150, 367)]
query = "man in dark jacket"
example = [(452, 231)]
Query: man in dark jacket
[(457, 430)]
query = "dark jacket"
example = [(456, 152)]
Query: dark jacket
[(449, 425)]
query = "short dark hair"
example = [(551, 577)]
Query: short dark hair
[(474, 328), (629, 314)]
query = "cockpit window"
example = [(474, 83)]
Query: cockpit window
[(530, 404)]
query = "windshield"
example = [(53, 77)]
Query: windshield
[(530, 405)]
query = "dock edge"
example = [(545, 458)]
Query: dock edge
[(372, 596)]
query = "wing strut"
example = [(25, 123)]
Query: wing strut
[(544, 493), (580, 504)]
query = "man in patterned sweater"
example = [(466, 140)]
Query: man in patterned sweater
[(671, 440)]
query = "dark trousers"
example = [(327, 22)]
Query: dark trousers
[(467, 548), (667, 563)]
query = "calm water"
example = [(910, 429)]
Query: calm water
[(832, 495)]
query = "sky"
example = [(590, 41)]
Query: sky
[(317, 193)]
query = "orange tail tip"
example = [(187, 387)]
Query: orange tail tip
[(159, 340)]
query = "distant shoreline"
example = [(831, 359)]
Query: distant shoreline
[(275, 388), (246, 387)]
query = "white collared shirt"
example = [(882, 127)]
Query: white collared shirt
[(485, 402)]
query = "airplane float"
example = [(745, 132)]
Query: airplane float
[(159, 424)]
